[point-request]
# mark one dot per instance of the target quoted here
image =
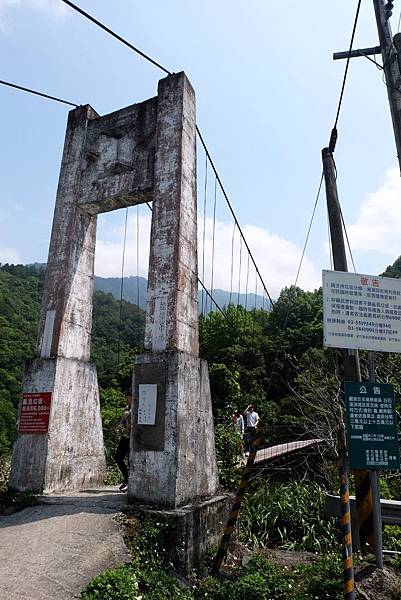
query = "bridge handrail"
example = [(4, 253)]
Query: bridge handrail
[(390, 509)]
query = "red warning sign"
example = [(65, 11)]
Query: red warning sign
[(35, 411)]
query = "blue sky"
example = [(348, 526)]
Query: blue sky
[(267, 90)]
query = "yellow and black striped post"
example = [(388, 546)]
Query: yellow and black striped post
[(233, 516), (364, 506), (349, 589)]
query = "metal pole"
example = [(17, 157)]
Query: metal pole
[(374, 482), (391, 69)]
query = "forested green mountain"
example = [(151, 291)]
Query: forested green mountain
[(135, 290), (20, 297)]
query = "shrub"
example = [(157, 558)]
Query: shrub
[(290, 515), (229, 450), (213, 588), (115, 584), (4, 472), (392, 537), (159, 585), (261, 579), (323, 579)]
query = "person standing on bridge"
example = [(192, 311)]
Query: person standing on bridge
[(122, 451), (252, 420)]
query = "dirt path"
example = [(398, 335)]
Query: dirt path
[(51, 551)]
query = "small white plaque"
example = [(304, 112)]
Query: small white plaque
[(147, 403)]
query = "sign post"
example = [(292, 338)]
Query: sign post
[(375, 486), (371, 426), (363, 312), (372, 438)]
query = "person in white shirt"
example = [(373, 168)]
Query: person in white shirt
[(252, 420)]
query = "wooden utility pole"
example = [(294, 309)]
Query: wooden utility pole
[(390, 50), (391, 66), (352, 370)]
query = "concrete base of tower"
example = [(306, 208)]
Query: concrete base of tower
[(67, 453)]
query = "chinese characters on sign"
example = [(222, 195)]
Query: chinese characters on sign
[(35, 412), (361, 312), (371, 426), (147, 403)]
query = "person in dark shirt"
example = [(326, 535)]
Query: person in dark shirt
[(122, 451)]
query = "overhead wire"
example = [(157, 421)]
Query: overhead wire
[(204, 230), (239, 271), (347, 64), (246, 284), (168, 72), (232, 263), (213, 236), (36, 93), (115, 35), (348, 243), (137, 273), (283, 327), (158, 65), (122, 286)]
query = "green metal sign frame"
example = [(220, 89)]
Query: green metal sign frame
[(371, 426)]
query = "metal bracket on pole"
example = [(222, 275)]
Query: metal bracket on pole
[(356, 53)]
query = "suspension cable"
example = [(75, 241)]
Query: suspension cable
[(333, 136), (232, 264), (283, 327), (239, 271), (36, 93), (204, 229), (137, 272), (213, 235), (115, 35)]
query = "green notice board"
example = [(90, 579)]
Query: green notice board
[(371, 426)]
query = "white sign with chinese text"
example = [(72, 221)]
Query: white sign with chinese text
[(147, 403), (362, 312)]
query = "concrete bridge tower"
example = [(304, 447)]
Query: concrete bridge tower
[(142, 153)]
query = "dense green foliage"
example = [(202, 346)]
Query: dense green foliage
[(262, 580), (290, 515), (115, 584), (272, 359), (20, 294), (259, 579), (20, 297)]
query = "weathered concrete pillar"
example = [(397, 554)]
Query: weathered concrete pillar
[(172, 315), (172, 445), (70, 453)]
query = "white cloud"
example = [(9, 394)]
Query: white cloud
[(9, 255), (276, 257), (378, 225), (54, 9), (109, 247)]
